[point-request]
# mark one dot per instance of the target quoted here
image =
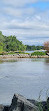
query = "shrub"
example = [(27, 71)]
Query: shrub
[(46, 46), (38, 53)]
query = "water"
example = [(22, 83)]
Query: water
[(34, 51), (25, 76), (29, 52)]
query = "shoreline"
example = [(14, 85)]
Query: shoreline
[(22, 56)]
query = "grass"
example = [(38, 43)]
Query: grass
[(41, 106), (3, 53), (38, 53), (12, 52)]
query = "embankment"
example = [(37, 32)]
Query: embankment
[(23, 56)]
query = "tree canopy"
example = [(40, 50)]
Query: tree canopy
[(10, 43), (33, 47)]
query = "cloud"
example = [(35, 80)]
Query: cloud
[(21, 3), (34, 23), (18, 12), (18, 3), (28, 23), (31, 29)]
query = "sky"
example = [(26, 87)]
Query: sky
[(28, 20)]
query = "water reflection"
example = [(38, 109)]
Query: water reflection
[(1, 61), (24, 59), (47, 60), (8, 60)]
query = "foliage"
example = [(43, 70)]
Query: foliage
[(10, 43), (43, 105), (15, 52), (38, 53), (46, 46), (39, 104), (33, 47)]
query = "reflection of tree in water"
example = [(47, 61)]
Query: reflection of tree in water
[(47, 60), (8, 60), (1, 61)]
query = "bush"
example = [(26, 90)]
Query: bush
[(46, 46), (38, 53)]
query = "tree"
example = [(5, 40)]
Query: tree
[(10, 43), (46, 46)]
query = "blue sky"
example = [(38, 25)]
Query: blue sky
[(27, 19)]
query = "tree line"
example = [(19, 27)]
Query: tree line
[(33, 47), (11, 43)]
